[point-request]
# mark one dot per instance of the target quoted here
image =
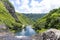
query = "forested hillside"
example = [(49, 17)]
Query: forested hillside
[(34, 17), (51, 20)]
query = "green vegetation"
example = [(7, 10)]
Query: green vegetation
[(51, 20), (24, 19), (10, 22), (41, 31), (7, 17), (8, 3), (33, 16)]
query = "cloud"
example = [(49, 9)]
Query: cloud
[(17, 2), (34, 6)]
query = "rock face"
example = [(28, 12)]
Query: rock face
[(2, 26), (11, 9), (51, 34)]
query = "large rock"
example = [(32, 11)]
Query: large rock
[(51, 34), (3, 28)]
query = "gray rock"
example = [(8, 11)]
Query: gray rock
[(11, 9), (37, 37), (51, 34)]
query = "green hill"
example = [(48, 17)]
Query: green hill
[(10, 18), (24, 19), (51, 20), (33, 16), (7, 19)]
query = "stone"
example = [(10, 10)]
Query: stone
[(10, 9), (50, 34)]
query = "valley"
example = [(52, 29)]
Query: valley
[(30, 26)]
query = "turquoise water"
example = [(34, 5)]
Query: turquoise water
[(28, 31)]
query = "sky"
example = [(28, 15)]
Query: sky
[(35, 6)]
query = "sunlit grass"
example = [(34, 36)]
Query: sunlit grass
[(41, 31)]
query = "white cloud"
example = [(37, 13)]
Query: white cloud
[(17, 2), (42, 7)]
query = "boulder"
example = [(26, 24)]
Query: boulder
[(50, 34)]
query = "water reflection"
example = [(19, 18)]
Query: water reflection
[(28, 31)]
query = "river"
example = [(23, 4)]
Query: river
[(28, 31)]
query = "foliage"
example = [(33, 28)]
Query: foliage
[(34, 17), (50, 20), (23, 19), (7, 19), (7, 1)]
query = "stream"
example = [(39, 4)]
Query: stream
[(28, 31)]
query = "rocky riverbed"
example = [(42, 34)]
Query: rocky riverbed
[(51, 34)]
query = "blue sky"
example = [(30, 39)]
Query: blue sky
[(35, 6)]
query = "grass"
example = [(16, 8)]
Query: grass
[(41, 31), (7, 19)]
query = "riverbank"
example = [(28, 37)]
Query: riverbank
[(51, 34)]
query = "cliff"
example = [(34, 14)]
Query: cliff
[(10, 8)]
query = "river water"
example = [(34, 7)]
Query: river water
[(28, 31)]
